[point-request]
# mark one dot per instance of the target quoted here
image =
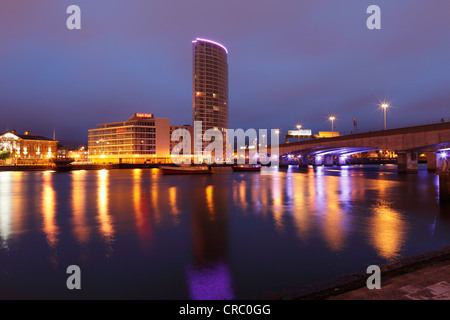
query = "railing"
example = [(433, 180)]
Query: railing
[(399, 126)]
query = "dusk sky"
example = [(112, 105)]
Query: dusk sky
[(290, 62)]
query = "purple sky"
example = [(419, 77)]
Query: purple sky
[(290, 61)]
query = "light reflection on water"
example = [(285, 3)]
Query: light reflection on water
[(49, 225), (81, 228), (105, 221), (6, 207), (224, 236)]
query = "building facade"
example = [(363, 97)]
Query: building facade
[(27, 149), (210, 85), (138, 140)]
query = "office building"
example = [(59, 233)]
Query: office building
[(138, 140)]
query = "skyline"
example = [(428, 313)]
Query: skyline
[(296, 63)]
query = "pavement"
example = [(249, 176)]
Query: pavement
[(431, 282)]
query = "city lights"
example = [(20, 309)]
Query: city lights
[(384, 105), (332, 118)]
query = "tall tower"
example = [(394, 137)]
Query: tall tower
[(210, 84)]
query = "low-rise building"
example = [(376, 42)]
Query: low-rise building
[(327, 134), (27, 149)]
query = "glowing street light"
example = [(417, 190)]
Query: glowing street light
[(299, 126), (332, 118), (385, 106)]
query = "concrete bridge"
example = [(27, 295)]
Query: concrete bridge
[(433, 140)]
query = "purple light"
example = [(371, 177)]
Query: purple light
[(210, 41), (443, 155), (210, 283)]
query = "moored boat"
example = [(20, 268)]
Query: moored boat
[(186, 170), (247, 167), (62, 164)]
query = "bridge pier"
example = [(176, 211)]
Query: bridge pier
[(318, 161), (434, 162), (407, 162), (329, 161), (303, 161), (342, 160), (444, 186)]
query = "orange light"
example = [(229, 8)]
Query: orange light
[(144, 115)]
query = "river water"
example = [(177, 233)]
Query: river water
[(138, 234)]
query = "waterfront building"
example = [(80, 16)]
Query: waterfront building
[(327, 134), (28, 149), (80, 155), (210, 86), (138, 140)]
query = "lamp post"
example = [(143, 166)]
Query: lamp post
[(385, 106), (332, 118), (299, 126)]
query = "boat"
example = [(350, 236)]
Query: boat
[(186, 170), (246, 167), (62, 164)]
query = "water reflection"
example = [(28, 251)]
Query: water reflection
[(104, 218), (239, 194), (334, 222), (387, 230), (155, 195), (173, 192), (50, 227), (13, 196), (208, 233), (79, 222), (301, 211), (5, 207), (49, 210), (209, 277), (277, 201), (142, 210), (210, 201)]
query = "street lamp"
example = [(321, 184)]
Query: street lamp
[(385, 106), (299, 126), (332, 118)]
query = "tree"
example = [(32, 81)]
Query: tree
[(5, 155)]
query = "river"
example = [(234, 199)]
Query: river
[(138, 234)]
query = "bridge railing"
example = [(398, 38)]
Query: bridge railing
[(399, 126)]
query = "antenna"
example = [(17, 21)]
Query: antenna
[(54, 134)]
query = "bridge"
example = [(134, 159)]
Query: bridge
[(432, 139)]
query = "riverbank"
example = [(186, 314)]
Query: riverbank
[(77, 167), (421, 277), (73, 167)]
